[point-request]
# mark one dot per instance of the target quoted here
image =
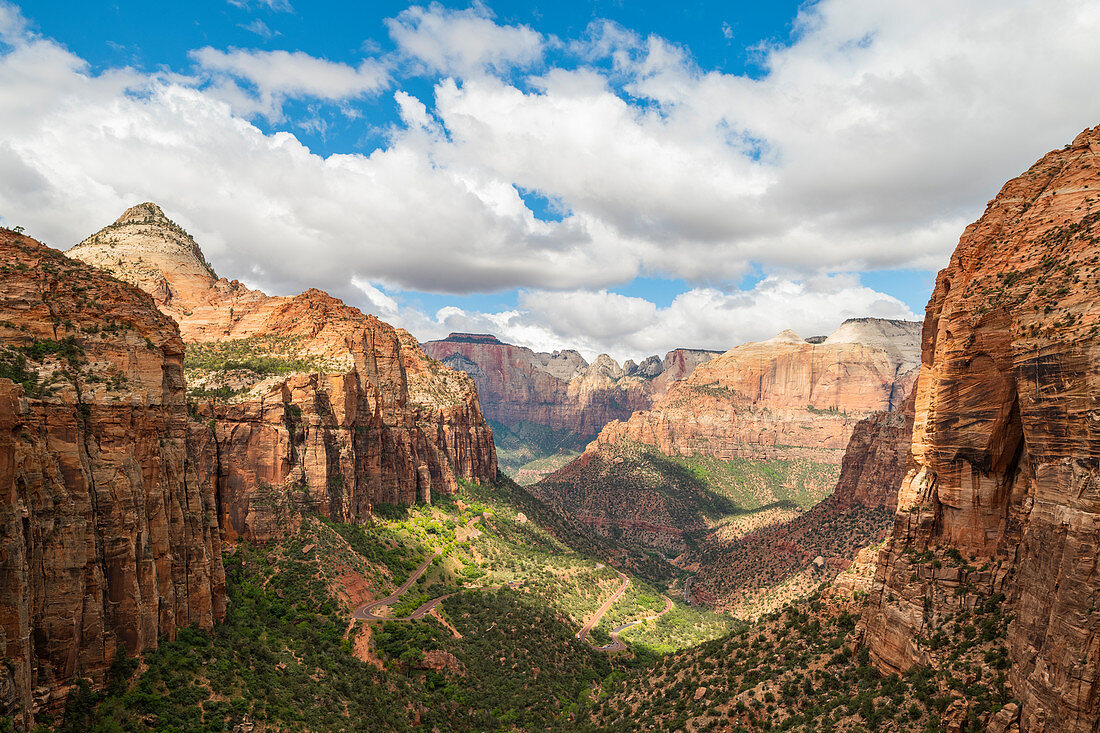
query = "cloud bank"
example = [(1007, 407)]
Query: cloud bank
[(872, 137)]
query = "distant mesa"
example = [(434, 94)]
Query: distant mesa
[(472, 338), (550, 404)]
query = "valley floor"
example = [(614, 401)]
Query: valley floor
[(423, 617)]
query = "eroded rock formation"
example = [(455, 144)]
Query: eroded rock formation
[(783, 397), (108, 527), (561, 390), (312, 404), (1002, 492), (769, 566)]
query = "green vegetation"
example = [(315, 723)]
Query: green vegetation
[(530, 447), (13, 366), (264, 356), (223, 370), (280, 657), (753, 484), (681, 628), (640, 600), (803, 669), (66, 348), (286, 652), (539, 468), (283, 654), (16, 363)]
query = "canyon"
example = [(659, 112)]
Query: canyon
[(544, 404), (725, 472), (158, 423)]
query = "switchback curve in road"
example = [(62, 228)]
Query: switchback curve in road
[(618, 645), (363, 613)]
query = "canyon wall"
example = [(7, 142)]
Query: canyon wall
[(560, 390), (773, 564), (108, 531), (311, 404), (783, 397), (1002, 491)]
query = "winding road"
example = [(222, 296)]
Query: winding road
[(591, 623), (365, 611), (617, 645)]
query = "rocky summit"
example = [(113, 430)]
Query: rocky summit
[(311, 403)]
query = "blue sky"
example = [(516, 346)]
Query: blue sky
[(154, 35), (610, 176)]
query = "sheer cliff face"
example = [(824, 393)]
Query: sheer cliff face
[(1005, 447), (783, 397), (316, 405), (560, 390), (108, 530)]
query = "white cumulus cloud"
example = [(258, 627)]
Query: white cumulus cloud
[(630, 327), (277, 75), (463, 42)]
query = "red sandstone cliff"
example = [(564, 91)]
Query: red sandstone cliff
[(108, 528), (559, 390), (313, 404), (1004, 466), (783, 397)]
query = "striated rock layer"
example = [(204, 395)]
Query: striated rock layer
[(1002, 492), (560, 390), (108, 526), (783, 397), (759, 571), (312, 404)]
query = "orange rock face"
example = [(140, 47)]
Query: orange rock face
[(783, 397), (559, 390), (1004, 466), (108, 530), (736, 573), (876, 458), (354, 414)]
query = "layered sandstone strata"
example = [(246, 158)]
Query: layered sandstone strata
[(771, 565), (781, 398), (311, 403), (560, 390), (108, 528), (1001, 494)]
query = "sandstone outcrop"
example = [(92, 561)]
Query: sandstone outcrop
[(108, 527), (559, 390), (783, 397), (311, 404), (759, 571), (1001, 493)]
